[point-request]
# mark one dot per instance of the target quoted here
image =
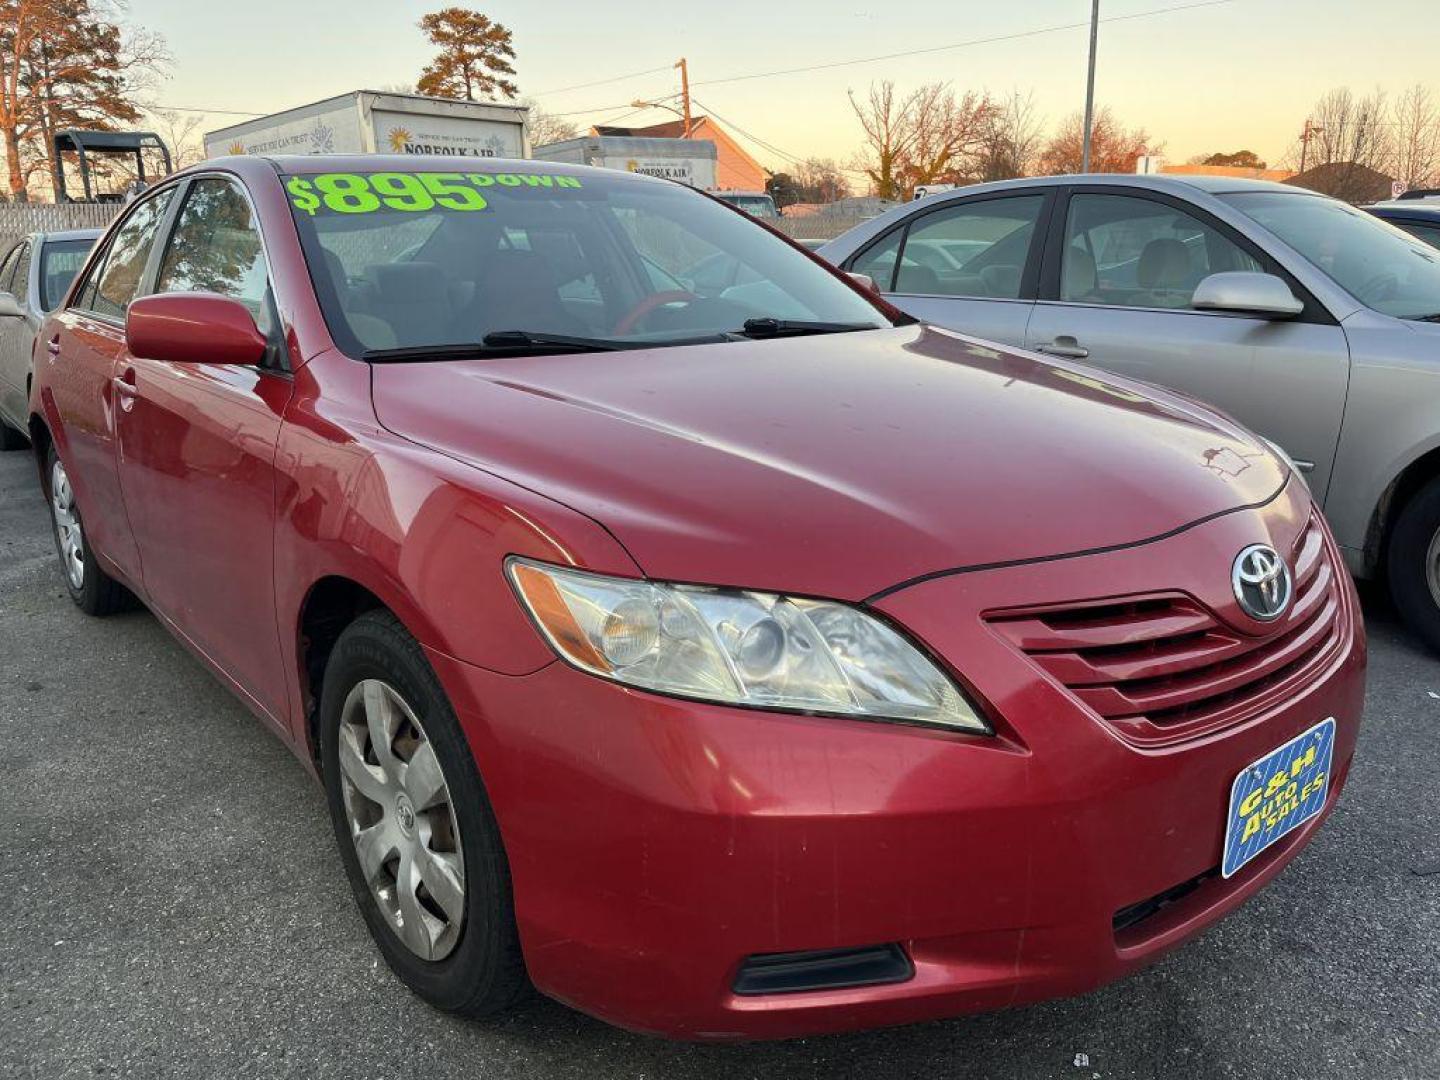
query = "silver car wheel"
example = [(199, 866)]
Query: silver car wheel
[(1432, 568), (67, 525), (401, 819)]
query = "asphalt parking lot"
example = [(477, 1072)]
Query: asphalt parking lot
[(174, 905)]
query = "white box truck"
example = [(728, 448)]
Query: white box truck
[(690, 161), (375, 122)]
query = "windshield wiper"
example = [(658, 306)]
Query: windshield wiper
[(500, 343), (768, 328), (1426, 318)]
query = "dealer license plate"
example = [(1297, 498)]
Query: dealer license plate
[(1278, 794)]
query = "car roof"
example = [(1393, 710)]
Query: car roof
[(1181, 184), (307, 164), (69, 234), (1425, 209)]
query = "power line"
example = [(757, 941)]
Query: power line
[(197, 109), (602, 82), (752, 137), (1018, 35)]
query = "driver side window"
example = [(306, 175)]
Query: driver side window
[(1132, 252)]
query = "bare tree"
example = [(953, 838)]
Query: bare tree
[(1114, 148), (1416, 138), (1350, 149), (820, 180), (1011, 140), (927, 136), (546, 128), (181, 133)]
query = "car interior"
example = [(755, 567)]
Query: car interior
[(453, 278)]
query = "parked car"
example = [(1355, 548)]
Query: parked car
[(1305, 318), (34, 276), (1418, 217), (729, 666), (755, 203)]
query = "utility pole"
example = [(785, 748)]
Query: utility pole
[(1309, 132), (1090, 85), (685, 91)]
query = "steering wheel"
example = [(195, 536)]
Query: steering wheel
[(632, 318), (1378, 287)]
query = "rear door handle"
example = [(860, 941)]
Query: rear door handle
[(1066, 347)]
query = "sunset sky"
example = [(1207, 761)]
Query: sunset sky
[(1238, 74)]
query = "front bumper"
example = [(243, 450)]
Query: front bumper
[(655, 844)]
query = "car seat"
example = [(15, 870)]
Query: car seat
[(1078, 276), (372, 332), (1164, 275), (516, 290)]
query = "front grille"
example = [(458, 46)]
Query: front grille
[(1162, 668)]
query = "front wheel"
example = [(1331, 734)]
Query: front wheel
[(420, 844), (1414, 563), (94, 591)]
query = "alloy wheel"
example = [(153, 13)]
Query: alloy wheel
[(67, 525), (401, 819), (1432, 568)]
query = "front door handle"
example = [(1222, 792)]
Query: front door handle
[(1065, 346), (125, 390), (53, 346)]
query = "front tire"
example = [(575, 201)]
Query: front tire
[(1413, 558), (94, 591), (416, 833)]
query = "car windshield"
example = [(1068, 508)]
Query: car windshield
[(418, 260), (60, 261), (756, 205), (1381, 266)]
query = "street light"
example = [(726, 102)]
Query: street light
[(1090, 84)]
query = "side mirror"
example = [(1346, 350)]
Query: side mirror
[(865, 281), (9, 306), (1247, 293), (193, 328)]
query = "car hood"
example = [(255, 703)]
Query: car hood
[(837, 465)]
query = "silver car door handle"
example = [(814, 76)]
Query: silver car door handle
[(1067, 347)]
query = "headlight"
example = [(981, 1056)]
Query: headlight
[(739, 648)]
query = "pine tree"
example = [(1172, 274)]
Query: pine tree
[(475, 54)]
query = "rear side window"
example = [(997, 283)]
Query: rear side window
[(60, 261), (116, 280), (975, 249), (19, 282), (7, 268), (216, 247)]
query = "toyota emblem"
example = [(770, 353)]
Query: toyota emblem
[(1262, 583)]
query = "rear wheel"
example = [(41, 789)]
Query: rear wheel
[(420, 844), (1414, 563), (94, 591)]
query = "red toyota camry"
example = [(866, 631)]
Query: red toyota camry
[(675, 626)]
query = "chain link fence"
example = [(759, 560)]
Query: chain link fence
[(20, 219), (817, 226)]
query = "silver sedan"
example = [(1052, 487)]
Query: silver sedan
[(34, 277), (1307, 319)]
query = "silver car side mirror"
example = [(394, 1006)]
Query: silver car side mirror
[(1248, 293), (865, 281), (9, 306)]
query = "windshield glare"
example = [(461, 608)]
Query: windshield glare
[(410, 260), (1381, 266)]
